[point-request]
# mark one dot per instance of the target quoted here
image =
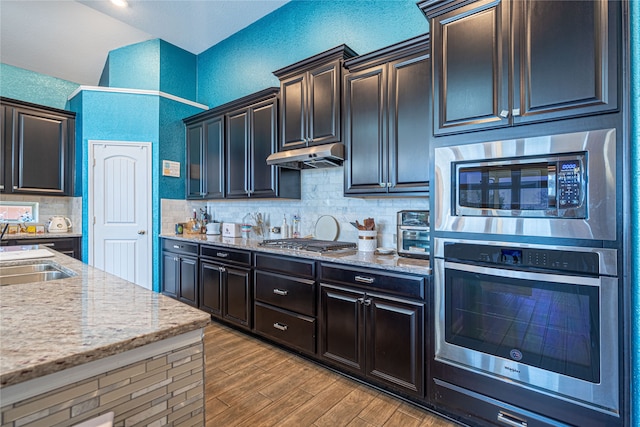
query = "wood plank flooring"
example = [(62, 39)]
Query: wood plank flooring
[(252, 383)]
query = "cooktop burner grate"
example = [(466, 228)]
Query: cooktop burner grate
[(312, 245)]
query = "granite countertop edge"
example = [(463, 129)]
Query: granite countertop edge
[(48, 327), (351, 257)]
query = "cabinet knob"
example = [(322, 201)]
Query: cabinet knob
[(142, 232), (367, 302), (383, 184), (222, 269)]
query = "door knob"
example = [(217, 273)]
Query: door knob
[(141, 232)]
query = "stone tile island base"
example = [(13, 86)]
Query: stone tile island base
[(158, 384)]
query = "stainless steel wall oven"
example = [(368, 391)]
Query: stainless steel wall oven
[(531, 326), (544, 319)]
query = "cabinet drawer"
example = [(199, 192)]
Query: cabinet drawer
[(225, 254), (288, 328), (294, 266), (392, 283), (286, 292), (180, 247)]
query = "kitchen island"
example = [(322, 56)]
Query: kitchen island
[(76, 348)]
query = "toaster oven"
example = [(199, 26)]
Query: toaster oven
[(413, 234)]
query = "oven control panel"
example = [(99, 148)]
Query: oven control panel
[(530, 258)]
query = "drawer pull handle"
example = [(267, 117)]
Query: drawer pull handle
[(222, 254), (280, 292), (280, 326), (363, 279), (177, 246), (510, 420)]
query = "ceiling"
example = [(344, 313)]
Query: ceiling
[(70, 40)]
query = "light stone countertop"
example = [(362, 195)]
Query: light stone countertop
[(46, 327), (348, 257), (46, 235)]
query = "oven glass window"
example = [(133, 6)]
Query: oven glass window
[(507, 187), (415, 241), (553, 326)]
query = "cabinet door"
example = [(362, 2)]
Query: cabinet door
[(41, 156), (409, 124), (214, 158), (342, 327), (324, 104), (470, 65), (237, 154), (395, 342), (565, 58), (195, 170), (365, 127), (170, 269), (237, 296), (211, 288), (262, 182), (294, 112), (189, 281)]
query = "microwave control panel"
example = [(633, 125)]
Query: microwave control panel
[(569, 186)]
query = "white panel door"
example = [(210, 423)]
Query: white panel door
[(120, 210)]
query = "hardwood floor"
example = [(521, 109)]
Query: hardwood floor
[(251, 383)]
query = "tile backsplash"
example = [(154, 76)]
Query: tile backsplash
[(322, 194), (48, 206)]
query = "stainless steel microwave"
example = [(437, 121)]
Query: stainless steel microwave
[(536, 186), (552, 186)]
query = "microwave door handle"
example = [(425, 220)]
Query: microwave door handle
[(552, 176)]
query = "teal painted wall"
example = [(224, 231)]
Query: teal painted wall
[(178, 71), (136, 66), (152, 65), (28, 86), (635, 211), (243, 63), (115, 117)]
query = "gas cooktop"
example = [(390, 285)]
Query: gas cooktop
[(312, 245)]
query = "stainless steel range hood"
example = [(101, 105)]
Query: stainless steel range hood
[(319, 156)]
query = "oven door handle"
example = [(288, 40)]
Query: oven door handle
[(522, 274)]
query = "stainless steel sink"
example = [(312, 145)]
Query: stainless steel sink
[(29, 273)]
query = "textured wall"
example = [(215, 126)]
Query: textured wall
[(136, 66), (243, 63), (178, 72), (25, 85)]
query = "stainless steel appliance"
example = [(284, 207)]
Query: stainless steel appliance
[(552, 186), (313, 245), (413, 234), (540, 318)]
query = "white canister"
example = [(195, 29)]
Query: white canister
[(367, 240), (213, 228)]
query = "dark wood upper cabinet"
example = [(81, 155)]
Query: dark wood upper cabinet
[(38, 149), (251, 137), (387, 120), (310, 91), (227, 150), (205, 159), (501, 63)]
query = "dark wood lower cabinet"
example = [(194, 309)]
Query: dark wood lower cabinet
[(374, 335), (67, 245), (180, 271), (225, 288)]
